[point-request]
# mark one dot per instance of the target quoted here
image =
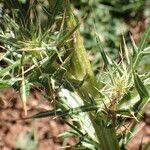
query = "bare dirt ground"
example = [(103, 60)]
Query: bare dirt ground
[(46, 130)]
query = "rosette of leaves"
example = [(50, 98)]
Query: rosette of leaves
[(37, 53), (31, 33), (124, 95)]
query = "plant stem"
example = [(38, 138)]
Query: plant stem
[(79, 68)]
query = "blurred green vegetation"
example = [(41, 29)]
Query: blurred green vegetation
[(111, 18)]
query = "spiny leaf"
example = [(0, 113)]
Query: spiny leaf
[(73, 84), (14, 65), (144, 40), (140, 87), (126, 50), (9, 41), (45, 67), (6, 83), (55, 11), (61, 113), (67, 35), (58, 74), (10, 67), (105, 59), (140, 106), (135, 48), (11, 22), (142, 46)]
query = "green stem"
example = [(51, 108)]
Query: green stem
[(79, 68)]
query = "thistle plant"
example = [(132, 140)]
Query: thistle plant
[(42, 47)]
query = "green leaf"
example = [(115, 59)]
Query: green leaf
[(10, 67), (105, 59), (73, 84), (6, 83), (10, 41), (142, 46), (144, 39), (65, 113), (140, 87), (67, 35), (140, 106), (11, 22)]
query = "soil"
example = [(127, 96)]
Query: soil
[(13, 129)]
